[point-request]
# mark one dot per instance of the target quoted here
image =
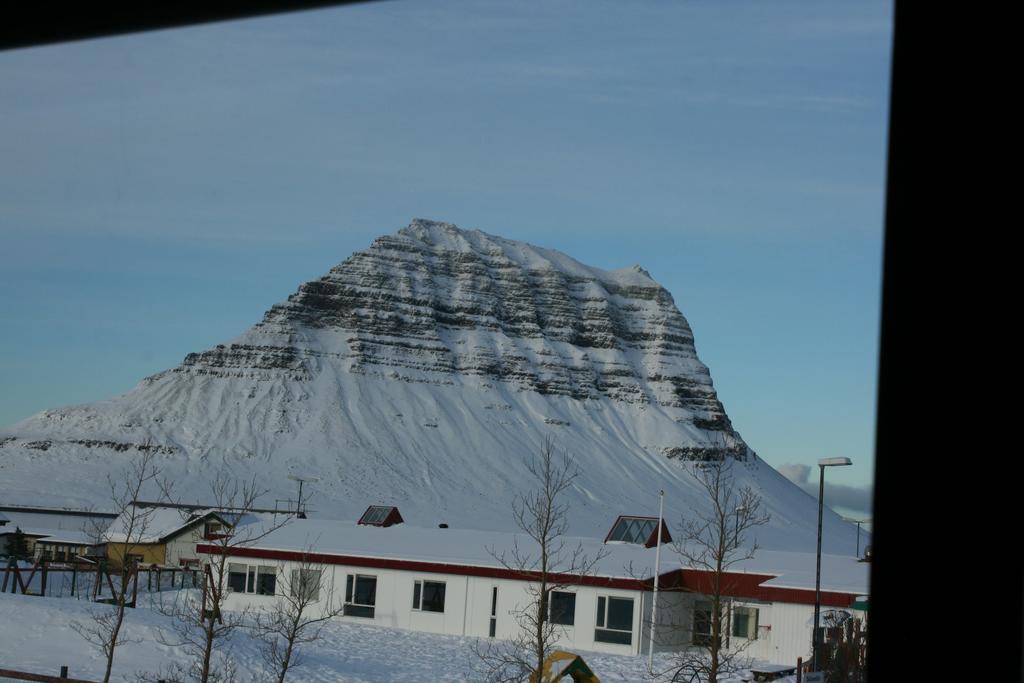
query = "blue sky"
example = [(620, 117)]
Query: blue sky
[(159, 191)]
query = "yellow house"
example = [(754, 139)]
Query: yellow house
[(162, 535)]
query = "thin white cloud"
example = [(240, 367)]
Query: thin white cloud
[(857, 498)]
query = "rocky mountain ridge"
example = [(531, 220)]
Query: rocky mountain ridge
[(422, 371)]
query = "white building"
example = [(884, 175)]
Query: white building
[(448, 581)]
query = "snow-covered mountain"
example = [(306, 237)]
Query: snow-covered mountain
[(422, 372)]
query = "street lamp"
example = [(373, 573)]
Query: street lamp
[(822, 464), (858, 522)]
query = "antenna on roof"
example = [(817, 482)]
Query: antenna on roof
[(298, 506)]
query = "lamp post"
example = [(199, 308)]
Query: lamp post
[(822, 464), (858, 522)]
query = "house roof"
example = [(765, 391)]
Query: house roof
[(433, 549), (35, 533), (161, 524), (70, 537)]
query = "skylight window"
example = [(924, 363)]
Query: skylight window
[(639, 530), (381, 515)]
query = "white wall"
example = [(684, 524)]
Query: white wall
[(184, 546), (783, 634), (467, 605), (784, 629)]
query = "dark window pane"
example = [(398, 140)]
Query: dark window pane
[(563, 608), (266, 584), (433, 596), (236, 581), (348, 588), (600, 611), (620, 637), (416, 595), (366, 590), (744, 622), (494, 601), (494, 623), (739, 624), (633, 530), (359, 611), (620, 614)]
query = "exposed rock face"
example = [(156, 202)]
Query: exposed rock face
[(433, 301)]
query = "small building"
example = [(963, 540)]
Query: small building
[(55, 519), (452, 581), (31, 536), (164, 535), (68, 546)]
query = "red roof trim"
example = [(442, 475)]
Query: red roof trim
[(430, 567), (741, 585)]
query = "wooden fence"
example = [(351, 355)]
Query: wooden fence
[(26, 676), (92, 581)]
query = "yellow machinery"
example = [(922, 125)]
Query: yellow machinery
[(560, 664)]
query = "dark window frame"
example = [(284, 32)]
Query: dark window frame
[(561, 611), (420, 599), (604, 632)]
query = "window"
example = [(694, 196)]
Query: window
[(744, 622), (381, 515), (236, 577), (702, 623), (250, 578), (266, 580), (494, 612), (614, 620), (638, 530), (306, 584), (633, 530), (360, 595), (428, 596), (562, 608)]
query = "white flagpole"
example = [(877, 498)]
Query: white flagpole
[(657, 571)]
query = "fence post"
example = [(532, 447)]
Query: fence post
[(42, 580), (799, 669), (135, 582)]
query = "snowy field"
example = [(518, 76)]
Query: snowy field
[(36, 636)]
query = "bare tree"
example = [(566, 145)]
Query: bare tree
[(104, 630), (714, 539), (306, 602), (550, 564), (200, 623)]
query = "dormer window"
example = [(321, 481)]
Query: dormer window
[(213, 530), (381, 515), (638, 530)]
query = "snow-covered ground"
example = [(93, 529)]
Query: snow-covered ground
[(36, 635)]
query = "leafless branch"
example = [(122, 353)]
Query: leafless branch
[(550, 564)]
